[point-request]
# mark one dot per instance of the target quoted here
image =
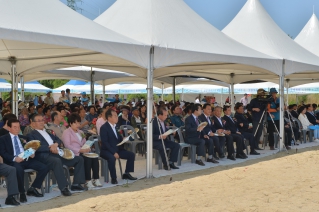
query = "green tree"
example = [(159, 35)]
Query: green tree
[(53, 83)]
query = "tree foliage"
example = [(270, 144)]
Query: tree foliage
[(53, 83)]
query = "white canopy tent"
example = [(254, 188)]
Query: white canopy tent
[(253, 27), (73, 85), (41, 36), (194, 45)]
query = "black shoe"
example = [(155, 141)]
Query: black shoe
[(258, 148), (212, 160), (66, 192), (23, 198), (165, 167), (222, 156), (240, 156), (114, 181), (127, 176), (34, 192), (77, 187), (11, 201), (231, 157), (253, 152), (200, 162), (216, 158), (172, 165), (244, 155)]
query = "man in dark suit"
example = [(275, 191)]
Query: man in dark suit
[(158, 132), (10, 174), (193, 133), (245, 129), (49, 155), (310, 115), (109, 149), (219, 125), (10, 148), (293, 110), (237, 136), (208, 134)]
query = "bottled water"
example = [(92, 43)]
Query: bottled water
[(292, 143)]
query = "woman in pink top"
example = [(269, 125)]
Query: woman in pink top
[(74, 139), (101, 120), (24, 118)]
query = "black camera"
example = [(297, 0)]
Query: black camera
[(265, 98)]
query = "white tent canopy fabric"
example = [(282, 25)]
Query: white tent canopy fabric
[(196, 44), (73, 85), (309, 35), (34, 86), (42, 35), (254, 27)]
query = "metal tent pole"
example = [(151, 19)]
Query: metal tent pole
[(22, 88), (174, 86), (287, 86), (282, 87), (92, 87), (14, 101), (103, 93), (162, 91), (149, 159)]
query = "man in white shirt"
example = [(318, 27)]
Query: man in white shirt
[(63, 97), (49, 100), (244, 101), (48, 154)]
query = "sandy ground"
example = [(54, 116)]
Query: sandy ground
[(279, 182)]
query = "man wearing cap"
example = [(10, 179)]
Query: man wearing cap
[(244, 101), (49, 100), (273, 108), (63, 96), (68, 95), (84, 99), (257, 108)]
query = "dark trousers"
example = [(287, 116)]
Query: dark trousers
[(258, 134), (271, 131), (41, 169), (210, 143), (91, 164), (55, 163), (296, 133), (9, 172), (250, 137), (288, 138), (239, 139), (124, 154), (230, 145), (220, 145), (200, 143), (168, 144)]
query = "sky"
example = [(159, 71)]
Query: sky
[(290, 15)]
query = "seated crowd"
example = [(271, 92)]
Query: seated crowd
[(64, 125)]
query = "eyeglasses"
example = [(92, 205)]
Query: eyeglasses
[(39, 120)]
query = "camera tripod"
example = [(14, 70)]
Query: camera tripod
[(264, 125)]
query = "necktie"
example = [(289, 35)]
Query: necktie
[(16, 145), (197, 121), (208, 119), (163, 127)]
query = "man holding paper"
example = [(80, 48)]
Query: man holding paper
[(11, 146), (159, 133), (110, 150)]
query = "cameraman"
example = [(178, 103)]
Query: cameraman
[(273, 108), (257, 108)]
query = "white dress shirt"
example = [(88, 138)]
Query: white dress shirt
[(19, 143), (46, 136), (113, 128)]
